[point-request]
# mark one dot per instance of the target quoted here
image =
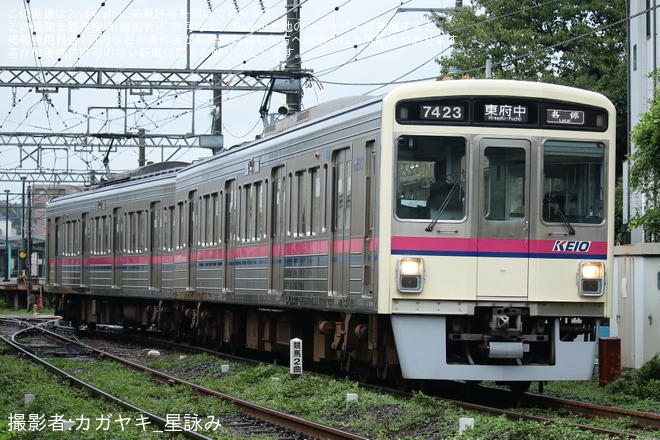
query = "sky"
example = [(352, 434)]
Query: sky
[(352, 47)]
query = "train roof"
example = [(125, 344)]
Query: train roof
[(323, 109), (306, 118), (151, 172), (344, 105), (147, 171)]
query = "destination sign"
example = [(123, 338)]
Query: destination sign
[(565, 117), (506, 113)]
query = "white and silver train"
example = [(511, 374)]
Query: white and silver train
[(457, 230)]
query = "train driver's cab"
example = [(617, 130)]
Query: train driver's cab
[(430, 178)]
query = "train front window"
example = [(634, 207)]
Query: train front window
[(573, 182), (430, 178)]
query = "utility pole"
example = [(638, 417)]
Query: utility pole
[(141, 148), (23, 244), (293, 62), (217, 112), (28, 259), (7, 247)]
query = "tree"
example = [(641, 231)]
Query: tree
[(645, 169), (579, 44)]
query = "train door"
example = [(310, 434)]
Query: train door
[(370, 192), (85, 251), (155, 246), (277, 229), (192, 241), (54, 251), (340, 249), (231, 223), (117, 246), (503, 223)]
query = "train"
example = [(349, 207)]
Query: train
[(452, 230)]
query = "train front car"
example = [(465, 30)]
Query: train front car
[(500, 216)]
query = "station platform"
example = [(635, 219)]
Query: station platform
[(14, 292)]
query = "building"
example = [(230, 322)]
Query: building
[(644, 58), (636, 304), (41, 195)]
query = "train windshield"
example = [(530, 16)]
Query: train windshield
[(573, 182), (430, 178)]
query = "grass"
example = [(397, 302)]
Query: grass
[(54, 402), (310, 396), (375, 415)]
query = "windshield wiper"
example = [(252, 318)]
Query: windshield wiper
[(564, 220), (442, 208)]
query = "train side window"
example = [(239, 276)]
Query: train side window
[(260, 201), (230, 212), (168, 229), (339, 220), (205, 221), (73, 237), (96, 236), (192, 230), (135, 232), (316, 201), (107, 227), (78, 237), (247, 209), (68, 236), (117, 231), (128, 231), (93, 232), (57, 237), (156, 226), (217, 217), (202, 204), (277, 204), (349, 196), (181, 226), (290, 230), (302, 189), (64, 238), (210, 216), (210, 220), (143, 234), (99, 224)]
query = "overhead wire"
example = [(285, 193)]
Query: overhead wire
[(163, 121), (81, 32), (384, 52), (300, 4), (366, 46)]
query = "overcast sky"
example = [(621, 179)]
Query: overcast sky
[(354, 47)]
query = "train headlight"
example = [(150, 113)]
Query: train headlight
[(591, 278), (410, 274)]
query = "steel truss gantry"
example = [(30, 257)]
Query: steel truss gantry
[(141, 81)]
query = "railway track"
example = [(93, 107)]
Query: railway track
[(35, 340), (641, 420), (487, 402), (500, 401), (495, 401)]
